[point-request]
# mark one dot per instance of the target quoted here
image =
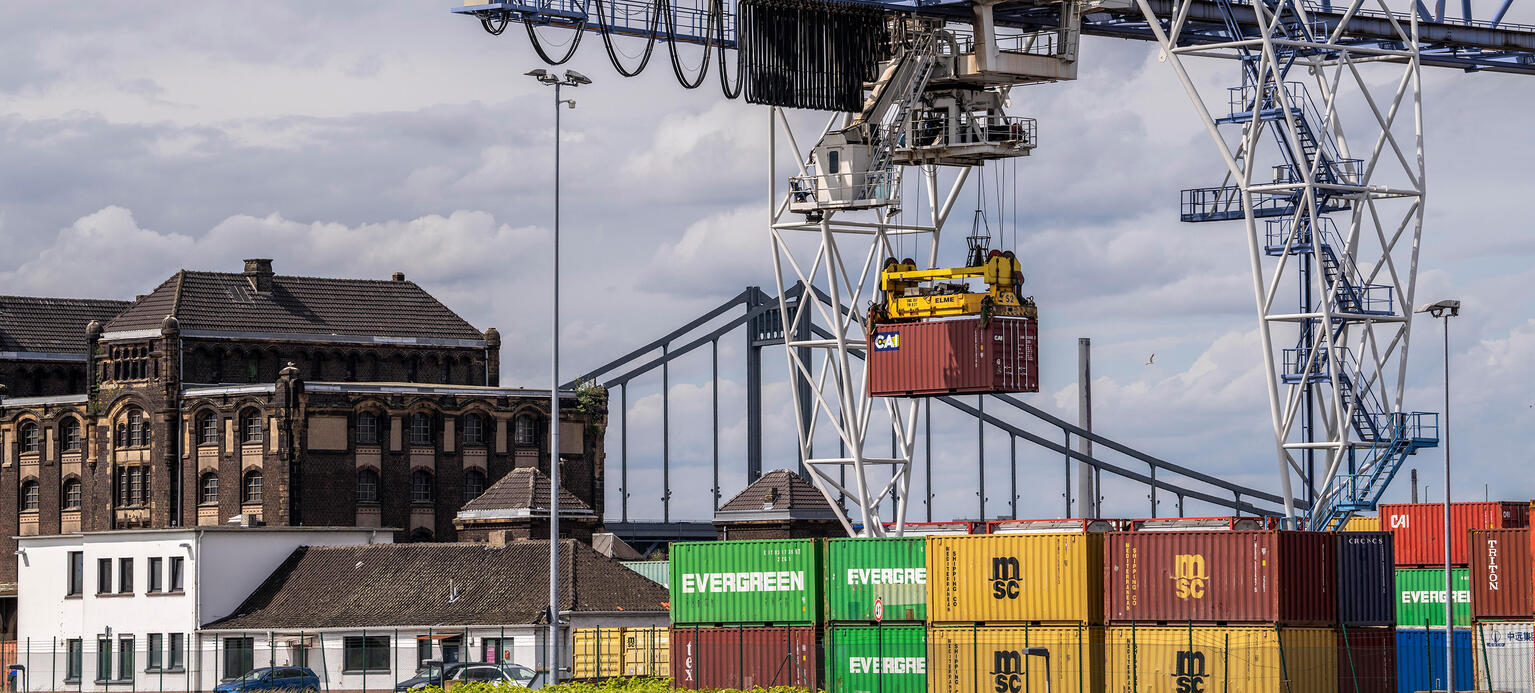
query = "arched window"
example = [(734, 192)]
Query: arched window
[(421, 487), (31, 500), (367, 428), (69, 434), (420, 429), (251, 430), (474, 484), (29, 440), (71, 495), (367, 486), (252, 487), (208, 489), (207, 428), (134, 431), (474, 429), (526, 431)]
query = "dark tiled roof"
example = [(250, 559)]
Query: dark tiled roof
[(51, 325), (779, 489), (524, 488), (415, 585), (226, 302)]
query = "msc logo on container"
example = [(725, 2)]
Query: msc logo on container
[(887, 341), (1007, 671), (1006, 578), (1189, 672), (1189, 576)]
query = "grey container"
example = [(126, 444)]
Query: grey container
[(1366, 579)]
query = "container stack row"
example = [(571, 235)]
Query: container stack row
[(1502, 608)]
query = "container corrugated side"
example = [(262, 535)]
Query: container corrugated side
[(987, 659), (596, 652), (861, 571), (1362, 523), (954, 356), (1420, 596), (739, 582), (1419, 528), (884, 658), (1500, 574), (1221, 576), (744, 657), (1249, 659), (1366, 660), (647, 651), (1420, 659), (1011, 578), (1504, 653), (1366, 579)]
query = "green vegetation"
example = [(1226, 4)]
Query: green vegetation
[(634, 685)]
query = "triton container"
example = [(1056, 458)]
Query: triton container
[(1504, 653), (746, 582), (1420, 596), (1500, 574), (986, 659), (1366, 660), (1366, 579), (744, 657), (1168, 659), (961, 355), (1419, 528), (1226, 576), (1012, 578), (861, 572), (1420, 659), (885, 658)]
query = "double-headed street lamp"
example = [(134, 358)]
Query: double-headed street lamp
[(1446, 309), (570, 79)]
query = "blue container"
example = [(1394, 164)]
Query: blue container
[(1420, 660), (1366, 579)]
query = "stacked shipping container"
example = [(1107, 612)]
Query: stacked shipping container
[(876, 601), (1503, 638)]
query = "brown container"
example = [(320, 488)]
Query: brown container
[(1223, 577), (1500, 574), (1367, 660), (1418, 528), (941, 357), (745, 657)]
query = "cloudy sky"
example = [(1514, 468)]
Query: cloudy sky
[(359, 139)]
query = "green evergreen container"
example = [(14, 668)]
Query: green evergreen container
[(861, 571), (1420, 596), (876, 659), (769, 582)]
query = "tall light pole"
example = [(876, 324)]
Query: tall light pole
[(571, 79), (1446, 309)]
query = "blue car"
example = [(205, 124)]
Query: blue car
[(285, 679)]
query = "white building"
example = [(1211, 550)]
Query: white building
[(122, 609)]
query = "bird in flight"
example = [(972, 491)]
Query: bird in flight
[(1152, 360)]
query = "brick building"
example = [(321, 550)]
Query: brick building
[(287, 400)]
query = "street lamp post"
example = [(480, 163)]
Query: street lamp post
[(571, 79), (1445, 310)]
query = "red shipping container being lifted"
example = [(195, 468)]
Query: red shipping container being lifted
[(1418, 529), (962, 355), (1500, 574), (745, 657), (1223, 576)]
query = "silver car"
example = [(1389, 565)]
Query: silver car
[(513, 674)]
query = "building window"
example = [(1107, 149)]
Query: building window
[(239, 657), (29, 443), (208, 489), (421, 487), (71, 494), (125, 576), (156, 650), (125, 658), (76, 579), (156, 580), (474, 430), (251, 431), (207, 428), (177, 563), (74, 660), (133, 486), (367, 486), (420, 429), (31, 498), (525, 432), (103, 576), (103, 659), (423, 650), (69, 433), (367, 428), (474, 484), (252, 487), (130, 362), (369, 653), (175, 651), (133, 432)]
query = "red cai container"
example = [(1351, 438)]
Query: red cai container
[(1500, 574), (745, 657), (1419, 528), (1223, 576), (1366, 579), (1367, 660), (962, 355)]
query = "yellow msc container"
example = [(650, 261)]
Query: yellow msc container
[(985, 659), (647, 651), (1362, 523), (597, 653), (1180, 659), (1015, 578)]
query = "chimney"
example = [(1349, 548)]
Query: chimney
[(398, 276), (259, 272)]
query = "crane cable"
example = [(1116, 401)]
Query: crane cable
[(538, 48), (607, 38)]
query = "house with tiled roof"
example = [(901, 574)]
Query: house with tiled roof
[(518, 506), (43, 343), (779, 505)]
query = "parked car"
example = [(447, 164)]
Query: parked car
[(287, 679), (510, 674), (428, 675)]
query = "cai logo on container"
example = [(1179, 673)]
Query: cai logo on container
[(887, 341), (1006, 578), (1189, 576)]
